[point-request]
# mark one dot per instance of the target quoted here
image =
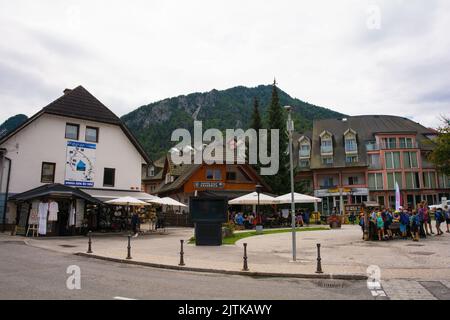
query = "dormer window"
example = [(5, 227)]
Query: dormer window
[(351, 145), (151, 171), (304, 148), (326, 143)]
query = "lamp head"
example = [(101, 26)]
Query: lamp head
[(258, 188)]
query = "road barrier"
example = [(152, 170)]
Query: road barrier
[(245, 268), (89, 242), (319, 260), (181, 254)]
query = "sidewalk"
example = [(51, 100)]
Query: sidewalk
[(343, 253)]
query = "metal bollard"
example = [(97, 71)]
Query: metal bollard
[(181, 254), (245, 268), (89, 242), (319, 260), (129, 247)]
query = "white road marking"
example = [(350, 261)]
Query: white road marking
[(123, 298)]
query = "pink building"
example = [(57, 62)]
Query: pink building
[(355, 159)]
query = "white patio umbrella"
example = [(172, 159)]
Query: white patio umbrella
[(127, 201), (298, 198), (168, 201), (252, 198)]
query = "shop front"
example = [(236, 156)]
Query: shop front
[(341, 200), (52, 210)]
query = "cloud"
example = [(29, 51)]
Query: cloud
[(319, 51)]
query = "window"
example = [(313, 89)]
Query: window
[(406, 143), (375, 181), (231, 175), (351, 159), (213, 174), (410, 160), (305, 150), (392, 160), (392, 178), (412, 180), (72, 131), (304, 163), (352, 181), (328, 182), (350, 142), (326, 146), (48, 172), (326, 143), (109, 177), (429, 180), (389, 143), (151, 171), (327, 160), (169, 178), (374, 161), (91, 134), (444, 181)]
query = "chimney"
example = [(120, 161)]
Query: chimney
[(66, 91)]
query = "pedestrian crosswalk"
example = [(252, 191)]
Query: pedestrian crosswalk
[(416, 290)]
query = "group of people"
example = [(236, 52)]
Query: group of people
[(278, 218), (408, 222)]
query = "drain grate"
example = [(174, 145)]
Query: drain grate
[(67, 246), (330, 284), (415, 245), (423, 253)]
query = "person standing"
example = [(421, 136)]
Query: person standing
[(306, 217), (427, 215), (134, 223), (404, 221), (439, 216), (415, 225), (421, 217), (380, 227), (447, 217)]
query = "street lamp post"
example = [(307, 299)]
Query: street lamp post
[(258, 191), (290, 128)]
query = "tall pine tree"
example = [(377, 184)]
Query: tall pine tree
[(277, 120)]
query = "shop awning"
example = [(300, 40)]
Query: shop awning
[(56, 190), (105, 195)]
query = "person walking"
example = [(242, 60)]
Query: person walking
[(134, 223), (421, 217)]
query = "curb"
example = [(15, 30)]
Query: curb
[(229, 272)]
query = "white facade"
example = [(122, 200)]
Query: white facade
[(43, 140)]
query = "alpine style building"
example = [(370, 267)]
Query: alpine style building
[(352, 160)]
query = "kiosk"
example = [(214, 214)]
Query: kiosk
[(208, 214)]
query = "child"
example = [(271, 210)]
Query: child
[(404, 221), (415, 225), (380, 227), (439, 216)]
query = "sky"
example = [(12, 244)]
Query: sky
[(353, 56)]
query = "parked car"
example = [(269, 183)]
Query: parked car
[(447, 203)]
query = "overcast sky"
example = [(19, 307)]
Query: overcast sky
[(353, 56)]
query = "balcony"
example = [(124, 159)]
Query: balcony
[(326, 150), (390, 146)]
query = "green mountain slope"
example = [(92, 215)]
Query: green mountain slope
[(12, 123), (228, 109)]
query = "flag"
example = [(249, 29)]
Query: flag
[(397, 197)]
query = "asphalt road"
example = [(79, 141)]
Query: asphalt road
[(32, 273)]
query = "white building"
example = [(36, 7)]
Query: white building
[(75, 141)]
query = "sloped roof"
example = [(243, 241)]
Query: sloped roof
[(55, 190), (80, 104), (366, 127)]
